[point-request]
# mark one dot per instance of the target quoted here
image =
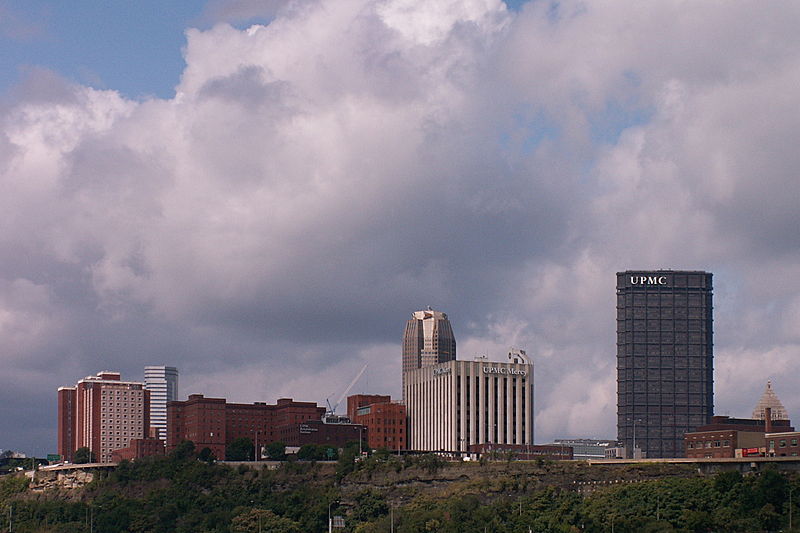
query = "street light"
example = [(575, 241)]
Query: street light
[(633, 455), (330, 521)]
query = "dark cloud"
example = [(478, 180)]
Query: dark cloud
[(318, 178)]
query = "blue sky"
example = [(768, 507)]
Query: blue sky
[(131, 47)]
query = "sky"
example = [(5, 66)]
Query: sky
[(262, 192)]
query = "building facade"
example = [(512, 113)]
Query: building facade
[(455, 405), (665, 368), (385, 420), (102, 413), (587, 448), (213, 423), (732, 437), (162, 382), (428, 340), (769, 402)]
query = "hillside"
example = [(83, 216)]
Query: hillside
[(411, 494)]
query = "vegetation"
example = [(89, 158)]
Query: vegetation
[(83, 455), (241, 449), (181, 493)]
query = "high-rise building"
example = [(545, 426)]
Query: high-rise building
[(461, 405), (770, 400), (162, 382), (428, 340), (102, 413), (665, 370)]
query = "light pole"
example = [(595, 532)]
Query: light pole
[(257, 455), (634, 420), (330, 521)]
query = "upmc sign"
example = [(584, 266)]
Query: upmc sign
[(648, 280)]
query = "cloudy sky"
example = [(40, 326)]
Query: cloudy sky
[(261, 192)]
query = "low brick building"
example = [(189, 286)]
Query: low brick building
[(336, 433), (783, 444), (731, 437), (385, 419), (139, 448)]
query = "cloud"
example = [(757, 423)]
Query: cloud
[(319, 176)]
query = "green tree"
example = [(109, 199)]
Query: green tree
[(206, 455), (83, 455), (240, 449), (264, 520), (276, 451), (184, 450)]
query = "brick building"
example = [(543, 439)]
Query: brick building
[(731, 437), (102, 413), (213, 423), (336, 434), (385, 420), (783, 444), (139, 448)]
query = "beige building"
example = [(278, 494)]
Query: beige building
[(428, 340), (456, 404)]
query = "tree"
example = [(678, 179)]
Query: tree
[(184, 450), (83, 455), (206, 455), (276, 451), (249, 520), (240, 449)]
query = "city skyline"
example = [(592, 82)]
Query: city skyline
[(260, 195)]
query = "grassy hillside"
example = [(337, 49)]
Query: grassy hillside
[(420, 494)]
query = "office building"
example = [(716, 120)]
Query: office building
[(428, 340), (385, 420), (665, 358), (769, 400), (587, 448), (455, 405), (102, 413), (162, 382)]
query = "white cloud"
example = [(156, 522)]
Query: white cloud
[(317, 178)]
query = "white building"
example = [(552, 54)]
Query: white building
[(456, 404), (162, 382)]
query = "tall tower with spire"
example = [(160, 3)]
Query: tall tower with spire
[(770, 399), (428, 340)]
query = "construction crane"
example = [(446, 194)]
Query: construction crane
[(331, 414)]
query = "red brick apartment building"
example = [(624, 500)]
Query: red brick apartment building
[(385, 420), (213, 423), (102, 413)]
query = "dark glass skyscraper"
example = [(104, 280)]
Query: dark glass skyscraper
[(427, 340), (665, 356)]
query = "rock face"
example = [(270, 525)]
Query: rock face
[(62, 479)]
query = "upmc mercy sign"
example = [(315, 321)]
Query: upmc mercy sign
[(648, 280)]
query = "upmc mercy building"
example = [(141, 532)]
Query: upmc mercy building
[(456, 404), (665, 357)]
